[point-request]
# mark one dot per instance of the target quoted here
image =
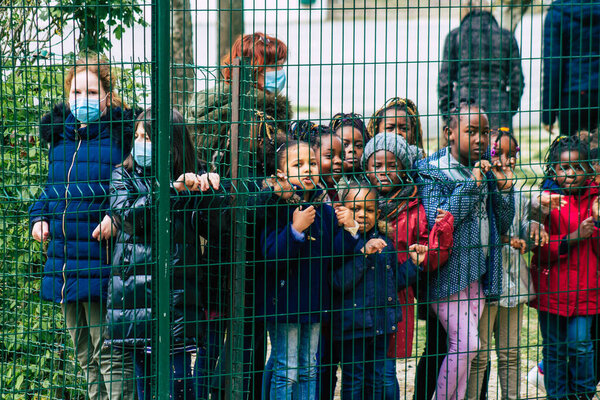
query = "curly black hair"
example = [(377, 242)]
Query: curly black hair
[(341, 120), (307, 131), (559, 146)]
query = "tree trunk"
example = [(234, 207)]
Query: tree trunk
[(231, 24), (182, 54)]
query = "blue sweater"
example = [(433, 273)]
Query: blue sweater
[(571, 52), (75, 199), (467, 262), (292, 283), (365, 291)]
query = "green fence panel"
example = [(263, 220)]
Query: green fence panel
[(311, 199)]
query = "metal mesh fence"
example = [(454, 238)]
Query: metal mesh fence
[(302, 199)]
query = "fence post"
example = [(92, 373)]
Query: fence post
[(162, 137), (239, 174)]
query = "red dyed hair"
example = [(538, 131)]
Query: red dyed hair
[(262, 50)]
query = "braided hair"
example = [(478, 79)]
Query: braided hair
[(402, 104), (307, 131), (347, 184), (499, 134), (267, 138), (341, 120), (560, 145)]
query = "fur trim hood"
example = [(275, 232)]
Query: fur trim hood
[(122, 125)]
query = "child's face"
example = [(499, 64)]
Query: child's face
[(353, 147), (506, 150), (397, 121), (301, 166), (330, 159), (383, 170), (596, 171), (469, 136), (363, 202), (570, 172), (140, 134)]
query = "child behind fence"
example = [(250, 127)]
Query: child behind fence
[(365, 301), (353, 132), (565, 273), (298, 245), (461, 180), (387, 161), (504, 317)]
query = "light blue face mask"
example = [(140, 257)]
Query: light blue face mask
[(86, 110), (274, 81), (142, 153)]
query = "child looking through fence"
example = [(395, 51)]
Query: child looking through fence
[(461, 180)]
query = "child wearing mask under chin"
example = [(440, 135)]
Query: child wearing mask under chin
[(387, 161)]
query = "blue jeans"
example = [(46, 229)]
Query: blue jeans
[(294, 352), (183, 383), (568, 355), (391, 388), (363, 364)]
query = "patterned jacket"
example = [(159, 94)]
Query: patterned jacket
[(468, 261)]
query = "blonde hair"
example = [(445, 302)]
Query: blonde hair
[(99, 66)]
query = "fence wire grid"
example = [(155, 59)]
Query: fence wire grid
[(308, 199)]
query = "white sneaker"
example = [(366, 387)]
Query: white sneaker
[(535, 377)]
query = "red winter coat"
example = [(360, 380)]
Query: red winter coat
[(407, 228), (567, 282)]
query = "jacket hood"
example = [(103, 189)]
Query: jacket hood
[(122, 125)]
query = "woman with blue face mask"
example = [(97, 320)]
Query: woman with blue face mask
[(87, 137), (130, 290)]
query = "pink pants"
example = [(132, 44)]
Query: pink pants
[(459, 314)]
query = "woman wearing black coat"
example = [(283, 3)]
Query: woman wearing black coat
[(131, 288)]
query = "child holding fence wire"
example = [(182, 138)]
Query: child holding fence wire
[(303, 234), (365, 301), (504, 317), (387, 161), (328, 148), (131, 288), (460, 179), (565, 273), (353, 132)]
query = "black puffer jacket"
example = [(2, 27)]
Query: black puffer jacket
[(482, 62), (130, 289)]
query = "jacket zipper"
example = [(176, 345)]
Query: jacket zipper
[(62, 290)]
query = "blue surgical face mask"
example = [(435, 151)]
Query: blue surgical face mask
[(274, 81), (142, 153), (86, 110)]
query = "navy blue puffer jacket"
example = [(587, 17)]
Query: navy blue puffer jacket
[(571, 53), (365, 291), (75, 199)]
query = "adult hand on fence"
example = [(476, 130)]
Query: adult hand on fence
[(188, 181), (40, 231), (417, 253), (479, 170), (105, 229), (375, 245), (302, 219)]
